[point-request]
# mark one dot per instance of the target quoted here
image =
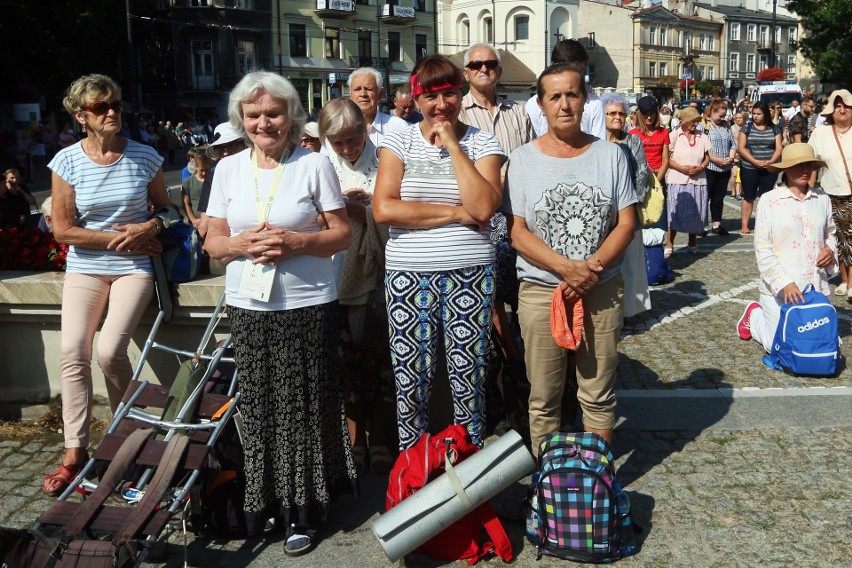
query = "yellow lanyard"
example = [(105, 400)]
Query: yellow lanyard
[(263, 212)]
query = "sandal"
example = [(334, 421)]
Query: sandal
[(667, 252), (841, 289), (359, 456), (380, 460), (64, 474)]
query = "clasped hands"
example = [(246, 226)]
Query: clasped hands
[(138, 238), (578, 278), (266, 244)]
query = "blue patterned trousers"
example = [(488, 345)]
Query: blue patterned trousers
[(420, 305)]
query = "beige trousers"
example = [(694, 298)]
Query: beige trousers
[(85, 297), (597, 357)]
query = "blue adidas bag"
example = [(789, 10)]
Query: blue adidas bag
[(806, 341)]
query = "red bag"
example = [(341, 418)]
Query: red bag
[(425, 461)]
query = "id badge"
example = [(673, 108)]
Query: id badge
[(256, 281)]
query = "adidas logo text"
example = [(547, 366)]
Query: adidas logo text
[(813, 324)]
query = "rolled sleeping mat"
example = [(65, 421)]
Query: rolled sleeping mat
[(445, 500)]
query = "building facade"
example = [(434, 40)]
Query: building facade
[(605, 28), (317, 43), (673, 49)]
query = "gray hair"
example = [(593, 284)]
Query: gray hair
[(47, 206), (278, 88), (486, 45), (615, 99), (380, 81), (339, 115)]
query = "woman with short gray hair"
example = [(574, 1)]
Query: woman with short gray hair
[(264, 209)]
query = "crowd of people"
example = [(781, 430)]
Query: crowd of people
[(357, 245)]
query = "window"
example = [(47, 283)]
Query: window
[(702, 41), (664, 69), (365, 49), (711, 73), (420, 47), (652, 69), (777, 34), (487, 30), (751, 33), (394, 47), (750, 63), (197, 3), (244, 4), (664, 36), (522, 28), (680, 70), (764, 61), (202, 63), (420, 5), (734, 62), (735, 32), (332, 43), (464, 32), (764, 36), (791, 64), (652, 36), (590, 74), (590, 40), (702, 72), (298, 40), (792, 34), (246, 57), (711, 43)]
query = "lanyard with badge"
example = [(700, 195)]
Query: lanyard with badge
[(257, 279)]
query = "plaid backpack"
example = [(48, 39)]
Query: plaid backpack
[(573, 501)]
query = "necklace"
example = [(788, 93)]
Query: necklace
[(693, 141)]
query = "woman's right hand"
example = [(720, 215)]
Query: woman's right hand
[(579, 277), (240, 244)]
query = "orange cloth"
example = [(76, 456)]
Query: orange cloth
[(567, 334)]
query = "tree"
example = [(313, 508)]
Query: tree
[(704, 87), (826, 40), (771, 74)]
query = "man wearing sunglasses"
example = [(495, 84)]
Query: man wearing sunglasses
[(484, 109), (594, 121)]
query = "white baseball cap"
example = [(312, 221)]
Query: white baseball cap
[(224, 134)]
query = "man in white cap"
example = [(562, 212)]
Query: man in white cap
[(226, 142), (310, 137)]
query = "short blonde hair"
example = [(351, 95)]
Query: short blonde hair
[(88, 88), (339, 115)]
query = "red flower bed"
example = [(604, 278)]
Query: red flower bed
[(31, 249)]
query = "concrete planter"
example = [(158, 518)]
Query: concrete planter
[(30, 316)]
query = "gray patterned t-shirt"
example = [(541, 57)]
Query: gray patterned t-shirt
[(572, 204)]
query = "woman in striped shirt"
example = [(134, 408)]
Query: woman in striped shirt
[(101, 187), (437, 187), (759, 144)]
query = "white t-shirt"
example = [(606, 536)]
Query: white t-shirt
[(383, 125), (429, 178), (308, 185)]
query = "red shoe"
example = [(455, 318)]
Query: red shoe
[(744, 325)]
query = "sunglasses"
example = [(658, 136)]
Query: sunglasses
[(219, 150), (616, 113), (308, 140), (477, 65), (103, 107)]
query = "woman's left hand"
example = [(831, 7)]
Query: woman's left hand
[(136, 238), (792, 294), (273, 244), (825, 258)]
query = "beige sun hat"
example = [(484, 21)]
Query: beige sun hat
[(844, 95), (689, 114), (794, 154)]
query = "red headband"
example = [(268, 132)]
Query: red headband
[(418, 89)]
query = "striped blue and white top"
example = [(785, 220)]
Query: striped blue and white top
[(429, 178), (115, 194)]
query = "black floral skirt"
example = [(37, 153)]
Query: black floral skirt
[(296, 443)]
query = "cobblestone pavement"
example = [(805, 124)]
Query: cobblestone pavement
[(773, 492)]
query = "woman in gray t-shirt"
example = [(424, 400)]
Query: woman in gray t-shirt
[(570, 203)]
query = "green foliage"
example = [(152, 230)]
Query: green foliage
[(704, 87), (827, 41)]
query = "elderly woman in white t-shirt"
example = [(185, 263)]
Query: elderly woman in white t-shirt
[(264, 209), (438, 186)]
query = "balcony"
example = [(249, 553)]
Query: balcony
[(335, 7), (398, 14), (766, 44)]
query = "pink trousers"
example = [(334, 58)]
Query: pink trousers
[(85, 297)]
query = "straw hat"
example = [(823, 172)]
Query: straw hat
[(689, 114), (844, 95), (794, 154)]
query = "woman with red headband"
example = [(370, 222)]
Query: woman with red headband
[(438, 185)]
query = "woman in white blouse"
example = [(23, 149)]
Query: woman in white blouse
[(794, 243), (366, 375)]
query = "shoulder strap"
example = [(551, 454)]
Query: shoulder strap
[(842, 156), (496, 532), (128, 452), (168, 466)]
